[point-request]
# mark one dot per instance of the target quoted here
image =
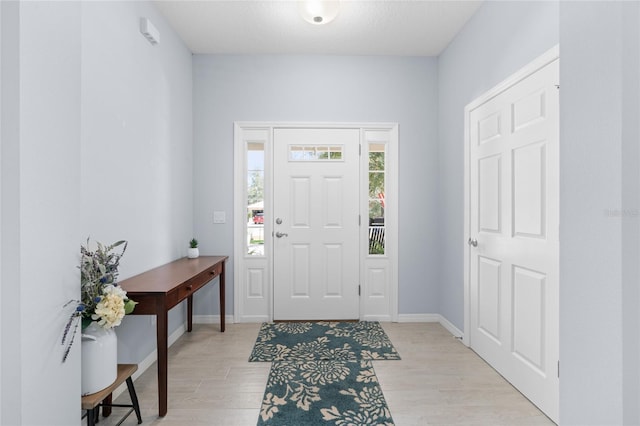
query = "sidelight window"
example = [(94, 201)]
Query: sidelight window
[(377, 178), (255, 199)]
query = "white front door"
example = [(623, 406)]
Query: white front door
[(315, 224), (513, 138)]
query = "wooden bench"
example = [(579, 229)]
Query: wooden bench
[(94, 401)]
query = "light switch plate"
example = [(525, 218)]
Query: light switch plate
[(219, 217)]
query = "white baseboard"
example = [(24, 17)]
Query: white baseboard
[(379, 318), (450, 327), (149, 360), (248, 319), (432, 318), (419, 318), (211, 319)]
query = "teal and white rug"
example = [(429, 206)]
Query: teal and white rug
[(322, 374), (322, 340)]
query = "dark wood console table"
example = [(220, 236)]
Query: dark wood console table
[(162, 288)]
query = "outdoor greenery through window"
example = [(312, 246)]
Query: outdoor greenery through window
[(255, 199), (376, 198)]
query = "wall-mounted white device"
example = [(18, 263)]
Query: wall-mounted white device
[(149, 31)]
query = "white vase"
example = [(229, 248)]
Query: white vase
[(99, 358), (192, 253)]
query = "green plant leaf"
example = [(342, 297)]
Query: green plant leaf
[(129, 305)]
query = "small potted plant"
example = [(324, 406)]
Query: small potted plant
[(193, 251)]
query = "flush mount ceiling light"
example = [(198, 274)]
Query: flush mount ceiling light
[(319, 12)]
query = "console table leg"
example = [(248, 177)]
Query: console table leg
[(222, 299), (162, 342), (190, 313)]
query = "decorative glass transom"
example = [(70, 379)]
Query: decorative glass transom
[(315, 153)]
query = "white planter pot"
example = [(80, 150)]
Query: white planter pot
[(192, 253), (99, 358)]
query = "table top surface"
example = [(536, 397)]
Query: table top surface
[(166, 277)]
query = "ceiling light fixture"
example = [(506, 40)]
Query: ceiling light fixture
[(319, 12)]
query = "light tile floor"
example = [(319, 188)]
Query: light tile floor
[(438, 382)]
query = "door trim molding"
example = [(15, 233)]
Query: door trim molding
[(258, 306), (529, 69)]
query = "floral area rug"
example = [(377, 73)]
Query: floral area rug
[(301, 341), (322, 374), (322, 392)]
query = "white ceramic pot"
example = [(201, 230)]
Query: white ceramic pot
[(99, 358), (192, 253)]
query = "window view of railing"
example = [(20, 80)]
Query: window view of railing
[(255, 199), (376, 198)]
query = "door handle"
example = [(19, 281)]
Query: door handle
[(281, 234), (472, 242)]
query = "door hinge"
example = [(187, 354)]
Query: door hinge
[(558, 369), (359, 220), (358, 289), (360, 149)]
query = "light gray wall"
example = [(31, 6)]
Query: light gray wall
[(136, 148), (321, 88), (599, 101), (40, 200), (96, 141), (499, 39)]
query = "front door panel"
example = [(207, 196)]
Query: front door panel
[(316, 266)]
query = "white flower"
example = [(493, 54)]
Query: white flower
[(117, 290), (110, 309)]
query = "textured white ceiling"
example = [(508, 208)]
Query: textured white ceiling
[(363, 27)]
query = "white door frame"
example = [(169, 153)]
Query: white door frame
[(253, 287), (540, 62)]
